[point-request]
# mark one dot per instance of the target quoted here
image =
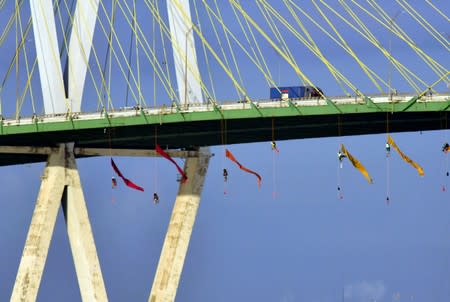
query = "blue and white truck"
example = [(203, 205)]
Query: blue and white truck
[(295, 92)]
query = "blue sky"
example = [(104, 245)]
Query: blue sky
[(293, 240)]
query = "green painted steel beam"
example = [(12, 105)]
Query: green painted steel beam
[(142, 118), (215, 125)]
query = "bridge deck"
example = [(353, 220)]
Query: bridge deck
[(208, 125)]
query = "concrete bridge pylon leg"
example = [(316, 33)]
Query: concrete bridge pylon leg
[(40, 233), (171, 261), (81, 238), (60, 182)]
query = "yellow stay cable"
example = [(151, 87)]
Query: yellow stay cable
[(10, 22), (372, 37), (254, 61), (154, 72), (138, 66), (411, 44), (423, 22), (396, 63), (110, 41), (224, 28), (434, 84), (342, 45), (438, 10), (203, 39), (236, 40), (310, 47), (133, 27), (276, 32), (27, 69), (399, 32), (265, 36), (163, 42), (111, 26), (84, 56), (177, 48), (121, 49), (11, 66), (395, 29), (205, 55), (213, 26), (370, 73), (29, 73), (259, 57), (166, 31), (163, 77), (17, 59), (314, 45), (369, 36)]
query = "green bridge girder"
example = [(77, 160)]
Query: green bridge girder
[(209, 125)]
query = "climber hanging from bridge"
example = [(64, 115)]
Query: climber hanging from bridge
[(113, 182), (127, 182), (155, 198), (273, 144), (225, 175), (341, 155), (446, 148), (388, 149)]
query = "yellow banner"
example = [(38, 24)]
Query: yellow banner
[(391, 142), (357, 164)]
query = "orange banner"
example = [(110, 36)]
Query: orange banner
[(419, 169), (357, 164)]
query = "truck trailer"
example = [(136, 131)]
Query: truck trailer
[(295, 92)]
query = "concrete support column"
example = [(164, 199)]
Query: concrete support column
[(60, 181), (178, 235), (84, 252), (41, 229)]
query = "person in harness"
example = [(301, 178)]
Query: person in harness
[(155, 198), (225, 175)]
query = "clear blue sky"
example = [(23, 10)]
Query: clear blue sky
[(301, 243)]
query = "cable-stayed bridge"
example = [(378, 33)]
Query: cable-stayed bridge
[(94, 78)]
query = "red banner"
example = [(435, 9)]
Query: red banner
[(128, 182), (232, 158), (161, 152)]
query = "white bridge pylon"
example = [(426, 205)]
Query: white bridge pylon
[(61, 182), (176, 243)]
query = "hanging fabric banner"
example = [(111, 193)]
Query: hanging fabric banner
[(128, 182), (391, 142), (232, 158), (357, 164), (161, 152)]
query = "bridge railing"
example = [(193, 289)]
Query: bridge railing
[(227, 105)]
